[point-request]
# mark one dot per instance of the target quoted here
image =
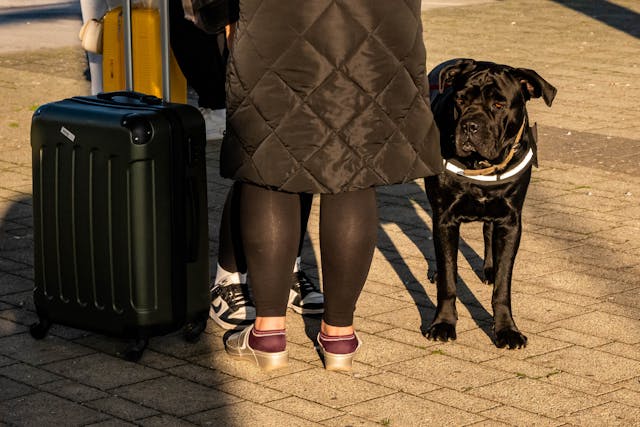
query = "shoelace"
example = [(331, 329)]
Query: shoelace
[(305, 285), (236, 295)]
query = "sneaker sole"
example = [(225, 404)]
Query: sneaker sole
[(225, 325)]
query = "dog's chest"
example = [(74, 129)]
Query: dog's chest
[(467, 202)]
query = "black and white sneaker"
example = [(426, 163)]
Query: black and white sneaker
[(231, 305), (304, 296)]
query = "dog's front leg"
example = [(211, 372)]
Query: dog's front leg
[(506, 240), (445, 238)]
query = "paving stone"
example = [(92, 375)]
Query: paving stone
[(199, 374), (568, 297), (536, 396), (121, 408), (27, 374), (609, 414), (544, 310), (37, 352), (160, 361), (520, 368), (350, 420), (624, 350), (246, 390), (97, 370), (535, 345), (581, 284), (448, 372), (164, 421), (590, 363), (331, 389), (606, 326), (402, 383), (460, 400), (113, 422), (19, 316), (10, 389), (40, 408), (573, 337), (8, 327), (407, 410), (514, 416), (71, 390), (311, 410), (176, 396), (625, 396), (377, 351), (10, 283), (236, 415), (579, 383)]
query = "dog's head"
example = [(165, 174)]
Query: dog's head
[(489, 104)]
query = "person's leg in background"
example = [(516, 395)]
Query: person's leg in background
[(203, 63), (94, 9), (348, 231), (232, 306)]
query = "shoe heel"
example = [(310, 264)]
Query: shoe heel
[(271, 361), (338, 362)]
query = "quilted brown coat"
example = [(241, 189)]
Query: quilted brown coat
[(328, 96)]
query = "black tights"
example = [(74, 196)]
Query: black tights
[(270, 223), (231, 255)]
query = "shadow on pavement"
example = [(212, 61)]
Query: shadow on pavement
[(414, 285), (613, 15)]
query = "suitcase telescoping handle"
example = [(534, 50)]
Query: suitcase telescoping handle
[(164, 47)]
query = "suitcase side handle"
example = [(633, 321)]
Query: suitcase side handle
[(192, 219)]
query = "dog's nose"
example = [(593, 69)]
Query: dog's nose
[(470, 127)]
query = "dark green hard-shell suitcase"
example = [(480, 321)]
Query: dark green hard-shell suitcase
[(120, 217)]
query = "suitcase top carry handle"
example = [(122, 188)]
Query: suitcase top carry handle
[(164, 47), (142, 97)]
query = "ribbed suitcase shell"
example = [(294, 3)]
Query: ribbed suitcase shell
[(120, 214), (146, 50)]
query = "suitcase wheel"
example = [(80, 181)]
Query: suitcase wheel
[(40, 329), (133, 353), (192, 330)]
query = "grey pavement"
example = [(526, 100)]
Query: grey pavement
[(576, 291)]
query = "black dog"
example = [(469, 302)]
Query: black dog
[(489, 150)]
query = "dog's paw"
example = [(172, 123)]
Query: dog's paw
[(510, 337), (432, 276), (489, 276), (442, 332)]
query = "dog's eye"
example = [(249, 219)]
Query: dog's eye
[(498, 105)]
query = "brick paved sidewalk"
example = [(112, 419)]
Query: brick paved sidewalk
[(576, 283)]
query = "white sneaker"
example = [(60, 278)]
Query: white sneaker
[(231, 305), (215, 122)]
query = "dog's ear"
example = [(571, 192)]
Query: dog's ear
[(534, 86), (449, 73)]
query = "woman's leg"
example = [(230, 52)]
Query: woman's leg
[(270, 224), (348, 233)]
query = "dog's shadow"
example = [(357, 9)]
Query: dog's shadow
[(411, 197)]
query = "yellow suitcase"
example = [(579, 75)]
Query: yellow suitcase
[(147, 59)]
